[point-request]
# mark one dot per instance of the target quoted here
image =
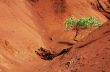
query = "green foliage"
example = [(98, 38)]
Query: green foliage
[(70, 22), (88, 22), (84, 22), (94, 21)]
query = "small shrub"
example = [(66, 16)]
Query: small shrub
[(82, 23), (85, 22)]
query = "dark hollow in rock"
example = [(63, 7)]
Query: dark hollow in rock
[(51, 38), (47, 55)]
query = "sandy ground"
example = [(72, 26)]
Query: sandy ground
[(26, 25)]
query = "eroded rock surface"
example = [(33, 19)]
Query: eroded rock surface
[(26, 25)]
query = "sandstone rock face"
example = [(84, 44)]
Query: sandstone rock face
[(102, 6), (91, 54), (26, 25)]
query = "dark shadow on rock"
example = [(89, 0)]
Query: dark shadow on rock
[(47, 55)]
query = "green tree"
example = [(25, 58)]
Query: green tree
[(82, 23)]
